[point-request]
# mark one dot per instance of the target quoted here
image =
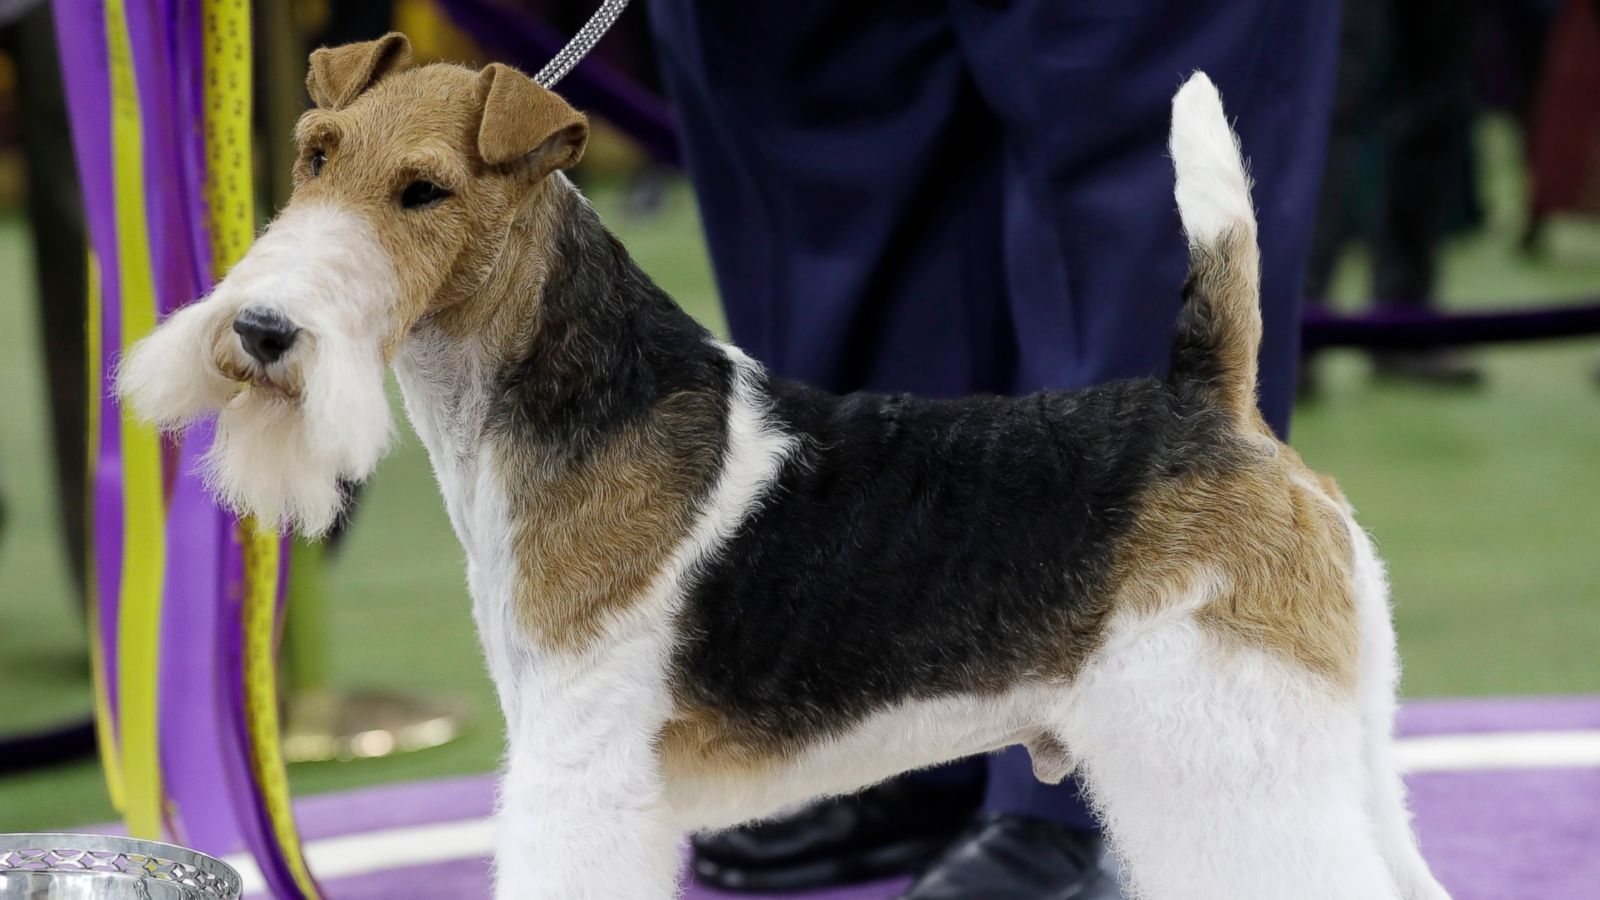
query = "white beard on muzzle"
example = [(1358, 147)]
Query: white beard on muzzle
[(287, 432)]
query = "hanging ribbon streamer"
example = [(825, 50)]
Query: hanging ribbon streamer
[(144, 550), (186, 599), (99, 674), (80, 29), (252, 662)]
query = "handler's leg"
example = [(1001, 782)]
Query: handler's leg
[(1095, 257), (1094, 253), (848, 176)]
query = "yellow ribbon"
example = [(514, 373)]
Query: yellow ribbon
[(226, 27), (143, 515)]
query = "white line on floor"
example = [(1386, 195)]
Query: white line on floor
[(393, 848), (377, 851), (1500, 750)]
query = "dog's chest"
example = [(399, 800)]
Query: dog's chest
[(447, 408), (446, 404)]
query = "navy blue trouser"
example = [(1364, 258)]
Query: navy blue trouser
[(955, 196)]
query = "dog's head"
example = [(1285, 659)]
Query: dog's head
[(407, 187)]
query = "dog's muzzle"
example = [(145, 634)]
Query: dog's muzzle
[(265, 334)]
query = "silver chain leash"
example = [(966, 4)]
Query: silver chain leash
[(581, 43)]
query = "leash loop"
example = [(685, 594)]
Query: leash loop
[(581, 43)]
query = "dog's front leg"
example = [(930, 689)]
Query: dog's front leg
[(581, 812), (590, 832)]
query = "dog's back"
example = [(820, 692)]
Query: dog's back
[(1138, 578), (983, 534), (993, 537)]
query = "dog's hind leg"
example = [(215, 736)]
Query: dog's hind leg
[(1387, 800), (1223, 773), (1380, 681)]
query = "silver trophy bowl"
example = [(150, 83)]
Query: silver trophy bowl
[(96, 867)]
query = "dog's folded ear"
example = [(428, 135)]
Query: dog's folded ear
[(339, 74), (522, 119)]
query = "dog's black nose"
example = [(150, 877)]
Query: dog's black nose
[(265, 334)]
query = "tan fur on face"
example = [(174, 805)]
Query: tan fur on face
[(522, 118), (498, 319), (383, 125), (418, 124), (337, 75), (1274, 534)]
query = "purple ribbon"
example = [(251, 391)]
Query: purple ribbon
[(253, 819), (203, 729), (86, 76)]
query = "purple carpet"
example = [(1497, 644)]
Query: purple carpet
[(470, 878), (1531, 834)]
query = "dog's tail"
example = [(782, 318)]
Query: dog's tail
[(1219, 329)]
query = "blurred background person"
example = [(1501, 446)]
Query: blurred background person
[(957, 198), (1564, 123), (1405, 85), (1564, 120)]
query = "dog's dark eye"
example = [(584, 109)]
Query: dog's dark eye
[(422, 193), (317, 161)]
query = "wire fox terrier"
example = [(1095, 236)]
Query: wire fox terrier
[(706, 593)]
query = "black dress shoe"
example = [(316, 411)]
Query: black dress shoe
[(1012, 857), (891, 829)]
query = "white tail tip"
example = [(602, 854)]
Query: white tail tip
[(1213, 189)]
